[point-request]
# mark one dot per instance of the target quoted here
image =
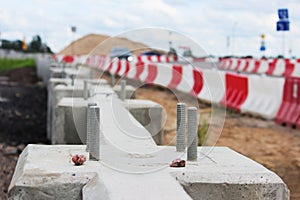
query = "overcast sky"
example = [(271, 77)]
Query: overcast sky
[(209, 22)]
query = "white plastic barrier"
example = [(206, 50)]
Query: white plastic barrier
[(296, 72), (132, 70), (144, 74), (242, 64), (213, 86), (263, 67), (264, 96), (187, 81), (251, 65), (279, 67), (233, 64), (164, 74)]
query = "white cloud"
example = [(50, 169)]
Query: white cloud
[(207, 22)]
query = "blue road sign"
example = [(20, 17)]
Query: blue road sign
[(283, 26), (283, 14), (262, 48)]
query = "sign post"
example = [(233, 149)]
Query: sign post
[(283, 25), (262, 45), (73, 29)]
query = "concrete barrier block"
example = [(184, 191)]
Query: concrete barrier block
[(130, 91), (30, 182), (150, 114), (59, 92), (221, 173), (46, 172), (69, 121)]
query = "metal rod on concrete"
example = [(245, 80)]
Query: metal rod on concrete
[(112, 80), (192, 133), (63, 73), (85, 90), (123, 90), (72, 79), (93, 131), (181, 127)]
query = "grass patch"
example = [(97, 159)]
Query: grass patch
[(6, 64), (202, 133)]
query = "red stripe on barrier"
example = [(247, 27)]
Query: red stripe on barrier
[(289, 111), (139, 69), (119, 67), (88, 61), (246, 65), (68, 59), (127, 68), (176, 76), (236, 91), (230, 64), (289, 68), (110, 65), (272, 66), (152, 73), (139, 59), (158, 58), (102, 60), (223, 63), (198, 82), (167, 59), (238, 65), (256, 66)]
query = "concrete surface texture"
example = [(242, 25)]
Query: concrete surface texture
[(130, 91), (62, 72), (59, 88), (150, 114), (219, 173)]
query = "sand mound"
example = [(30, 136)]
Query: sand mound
[(101, 44)]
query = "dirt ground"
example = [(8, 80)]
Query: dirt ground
[(23, 101), (274, 146)]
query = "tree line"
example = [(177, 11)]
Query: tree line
[(34, 46)]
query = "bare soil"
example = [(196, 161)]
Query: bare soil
[(274, 146), (23, 101)]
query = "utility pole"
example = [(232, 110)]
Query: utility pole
[(73, 29)]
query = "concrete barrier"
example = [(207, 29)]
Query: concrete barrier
[(60, 88), (150, 115), (128, 154), (130, 91), (220, 174)]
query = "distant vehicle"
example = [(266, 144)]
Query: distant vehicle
[(121, 53), (150, 53), (172, 52)]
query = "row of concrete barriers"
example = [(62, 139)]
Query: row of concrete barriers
[(131, 165)]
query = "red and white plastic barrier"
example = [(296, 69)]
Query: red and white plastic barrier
[(271, 67), (264, 96), (156, 58), (289, 112), (213, 86), (236, 91)]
